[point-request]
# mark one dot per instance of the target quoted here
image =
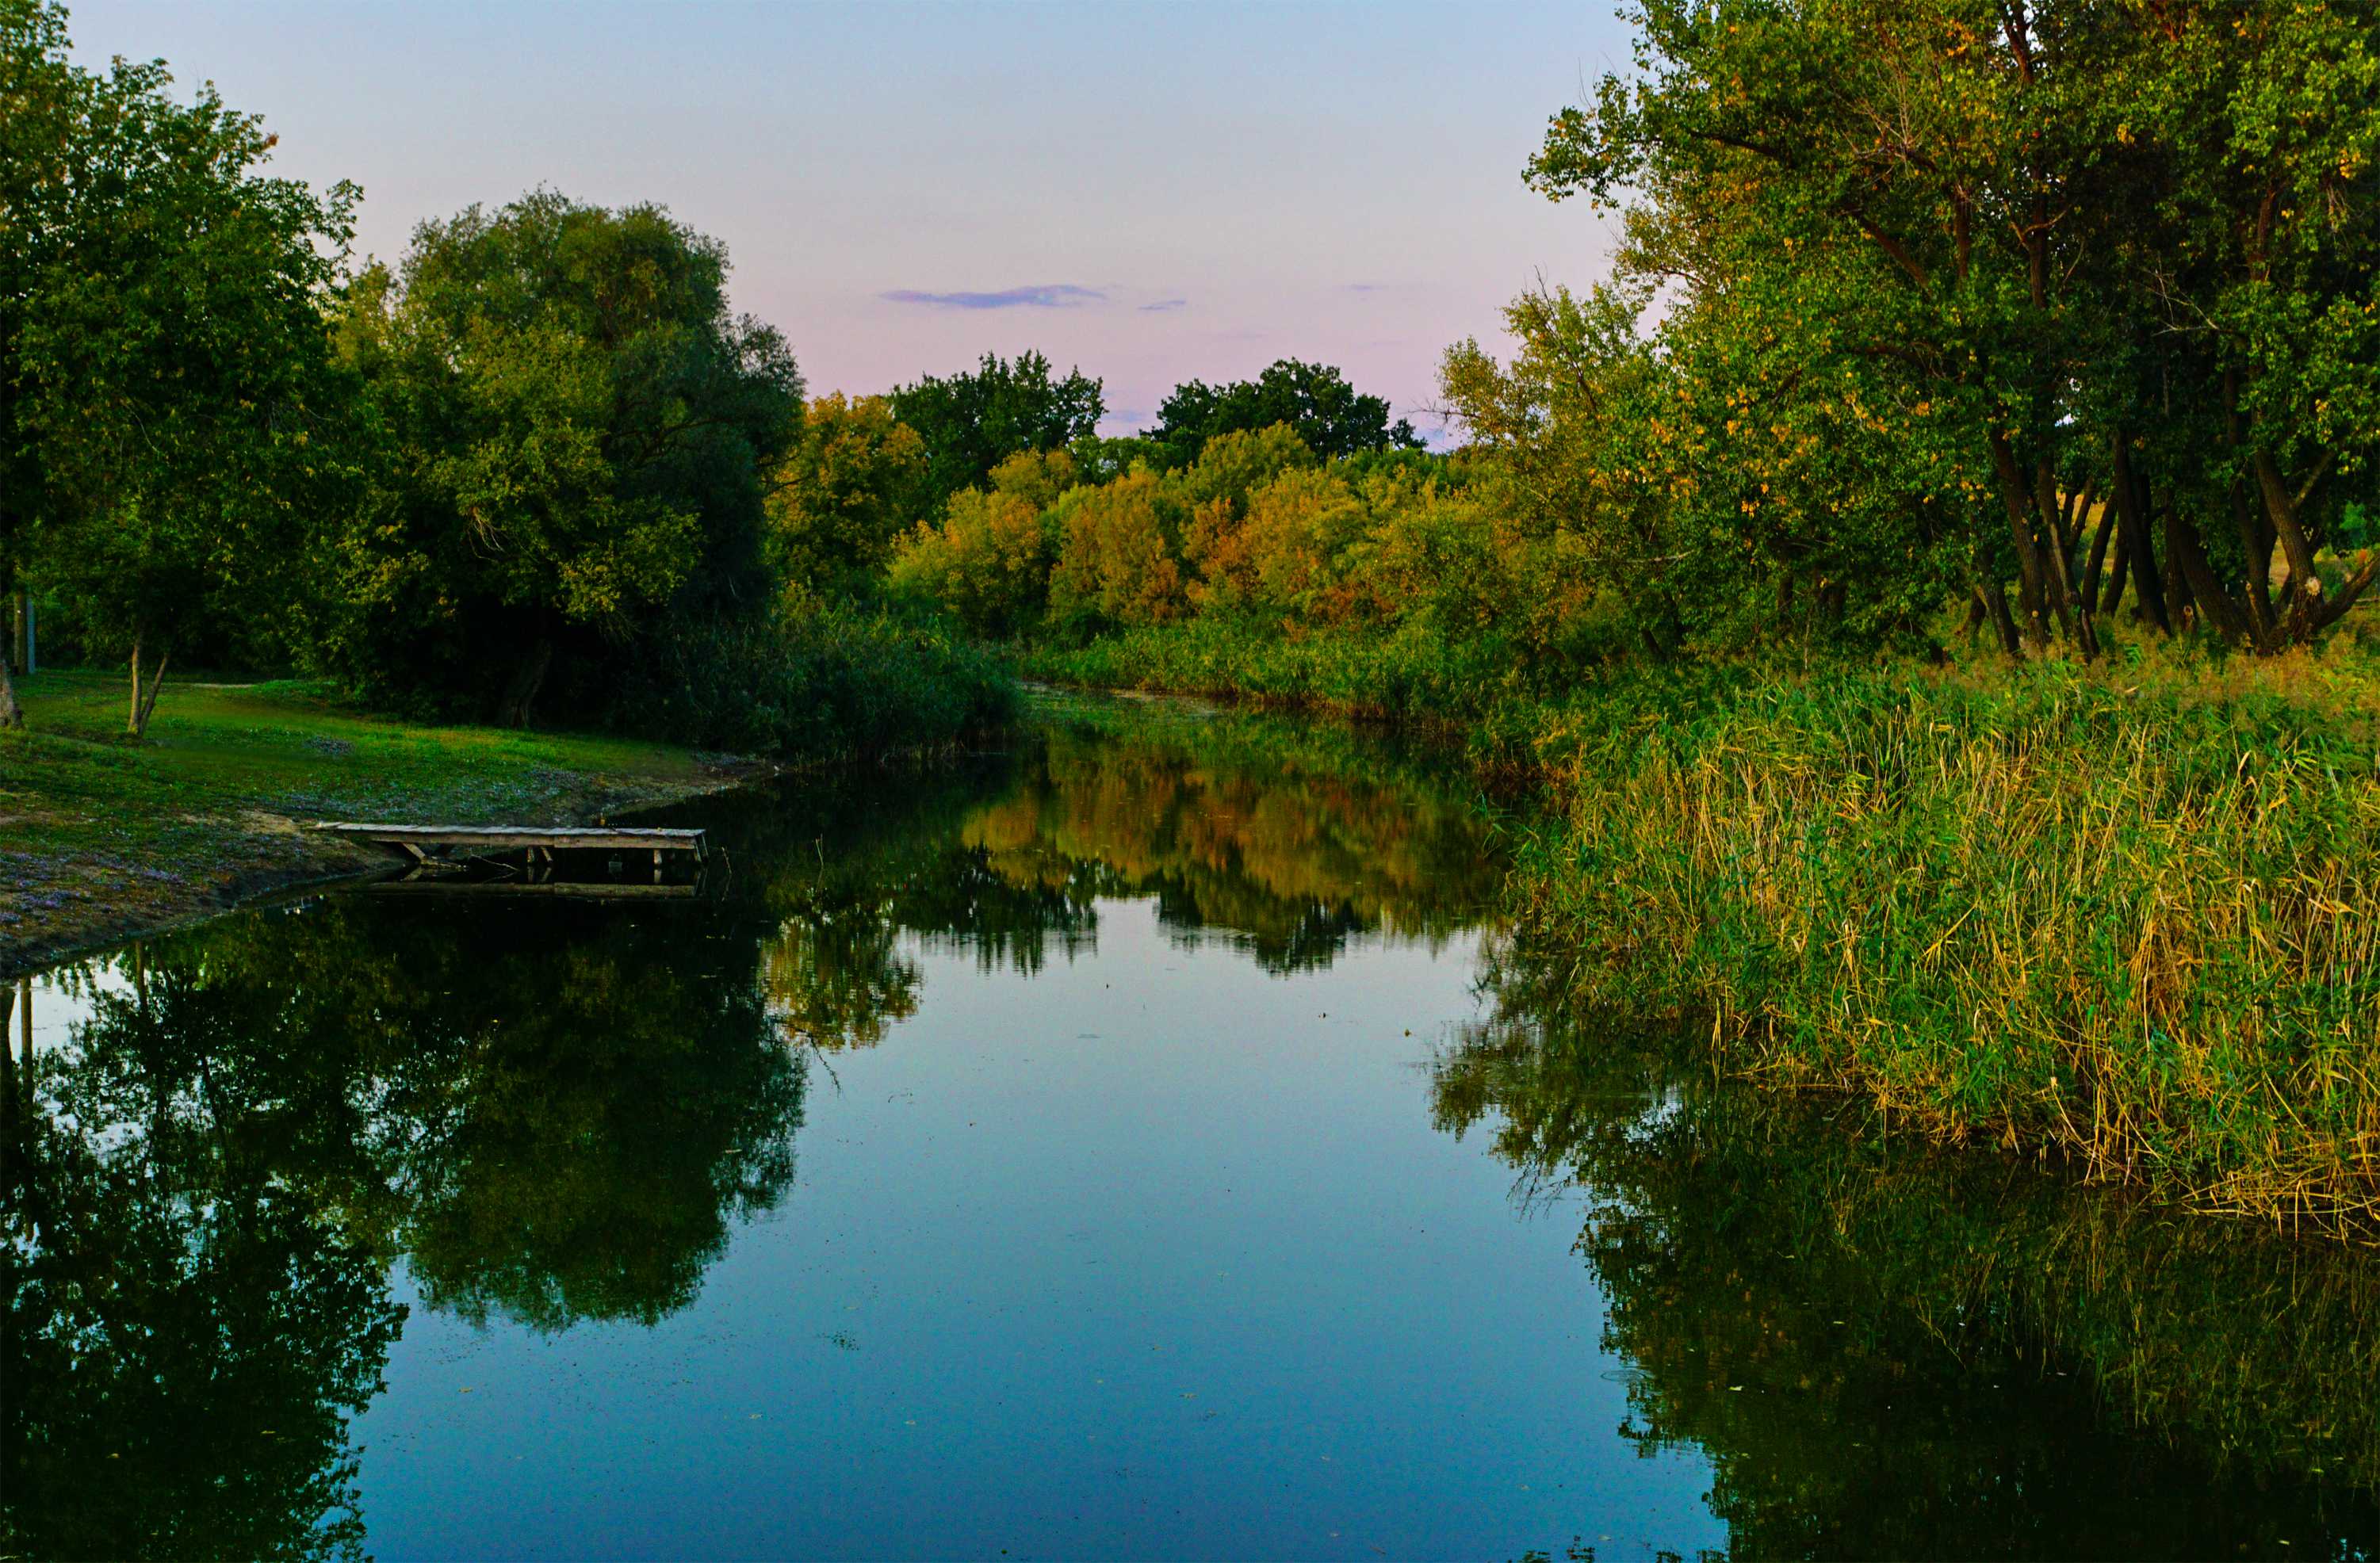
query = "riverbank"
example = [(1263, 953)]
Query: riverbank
[(2125, 915), (101, 838)]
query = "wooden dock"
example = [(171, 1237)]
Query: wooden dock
[(418, 842)]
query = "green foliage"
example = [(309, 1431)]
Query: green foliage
[(971, 421), (1235, 464), (844, 494), (2098, 251), (574, 431), (1314, 400), (1119, 554), (987, 560), (1409, 672), (822, 680), (170, 420)]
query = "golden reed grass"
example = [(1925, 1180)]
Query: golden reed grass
[(2131, 916)]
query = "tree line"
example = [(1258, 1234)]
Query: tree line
[(2046, 322), (535, 467), (2060, 318)]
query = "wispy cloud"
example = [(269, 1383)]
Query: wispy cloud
[(1044, 295), (1165, 304), (1363, 287)]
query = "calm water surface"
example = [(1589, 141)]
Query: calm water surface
[(1142, 1144)]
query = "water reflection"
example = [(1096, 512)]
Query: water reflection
[(1288, 848), (551, 1118), (1888, 1353), (554, 1112), (260, 1135)]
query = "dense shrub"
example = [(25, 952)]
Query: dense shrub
[(821, 681)]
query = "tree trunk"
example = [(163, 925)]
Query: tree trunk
[(2325, 614), (1996, 597), (2028, 557), (2031, 580), (527, 678), (2132, 535), (2179, 600), (2091, 572), (2214, 605), (2256, 542), (144, 701), (2073, 606), (11, 713), (2302, 598), (2117, 579), (14, 1106)]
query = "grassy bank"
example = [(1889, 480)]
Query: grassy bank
[(100, 837), (2126, 914)]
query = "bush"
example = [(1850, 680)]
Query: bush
[(821, 681), (1119, 554)]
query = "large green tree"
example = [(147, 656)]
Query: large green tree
[(2053, 256), (169, 420), (572, 436)]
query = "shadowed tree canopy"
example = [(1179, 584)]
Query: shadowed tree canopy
[(1313, 399), (574, 431), (971, 422)]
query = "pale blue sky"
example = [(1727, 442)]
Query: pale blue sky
[(1153, 191)]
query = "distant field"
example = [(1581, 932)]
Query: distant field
[(102, 836)]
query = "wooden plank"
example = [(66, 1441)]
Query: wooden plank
[(505, 837)]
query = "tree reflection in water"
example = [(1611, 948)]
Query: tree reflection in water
[(555, 1112), (1892, 1352), (555, 1117), (1281, 843)]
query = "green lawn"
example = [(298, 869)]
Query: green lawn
[(100, 836)]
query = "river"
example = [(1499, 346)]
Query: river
[(1141, 1143)]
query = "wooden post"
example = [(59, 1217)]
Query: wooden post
[(657, 866)]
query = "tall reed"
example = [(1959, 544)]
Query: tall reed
[(2131, 916)]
